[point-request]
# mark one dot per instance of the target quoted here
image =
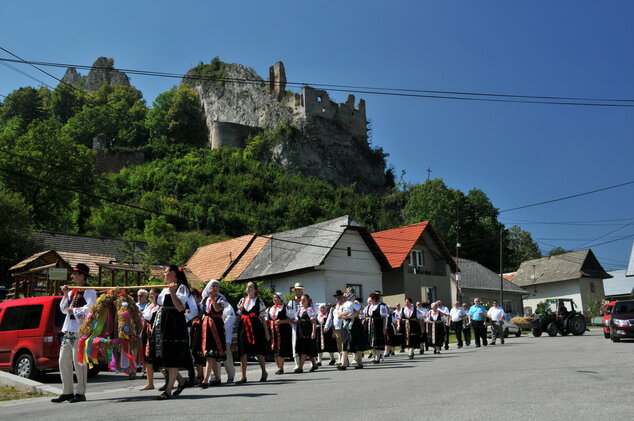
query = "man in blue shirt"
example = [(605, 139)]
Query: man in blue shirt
[(477, 314)]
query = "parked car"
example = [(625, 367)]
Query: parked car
[(622, 320), (30, 333), (508, 327), (606, 319)]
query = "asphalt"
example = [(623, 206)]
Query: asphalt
[(585, 377)]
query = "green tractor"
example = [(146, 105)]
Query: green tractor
[(558, 316)]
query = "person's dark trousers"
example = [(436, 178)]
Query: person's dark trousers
[(457, 328), (191, 372), (447, 331), (466, 331), (480, 332)]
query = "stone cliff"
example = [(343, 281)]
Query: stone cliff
[(333, 141), (102, 71)]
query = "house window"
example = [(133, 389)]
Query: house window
[(349, 251), (417, 258), (592, 287), (357, 290)]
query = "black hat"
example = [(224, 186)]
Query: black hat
[(377, 292), (82, 268), (338, 293)]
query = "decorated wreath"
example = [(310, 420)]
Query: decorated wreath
[(113, 326)]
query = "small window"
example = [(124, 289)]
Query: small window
[(417, 258), (592, 287), (23, 317), (318, 98), (349, 251), (357, 290)]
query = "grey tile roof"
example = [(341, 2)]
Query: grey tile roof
[(619, 284), (75, 243), (630, 266), (475, 276), (564, 267), (304, 248)]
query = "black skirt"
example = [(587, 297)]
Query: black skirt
[(304, 344), (357, 339), (410, 338), (251, 337), (325, 341), (172, 343), (281, 339)]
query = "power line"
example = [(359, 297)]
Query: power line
[(568, 197), (415, 93)]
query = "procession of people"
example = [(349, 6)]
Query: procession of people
[(187, 329)]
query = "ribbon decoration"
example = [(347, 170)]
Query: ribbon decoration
[(210, 324), (248, 326)]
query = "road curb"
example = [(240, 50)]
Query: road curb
[(8, 379)]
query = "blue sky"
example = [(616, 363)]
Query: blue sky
[(517, 153)]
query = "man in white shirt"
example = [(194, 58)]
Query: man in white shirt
[(292, 307), (497, 316), (75, 305), (457, 316)]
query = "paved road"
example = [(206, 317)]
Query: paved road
[(578, 378)]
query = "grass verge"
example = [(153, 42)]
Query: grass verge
[(10, 393)]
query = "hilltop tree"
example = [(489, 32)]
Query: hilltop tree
[(521, 248)]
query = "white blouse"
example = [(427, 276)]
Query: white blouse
[(149, 311), (247, 303), (309, 310), (182, 293)]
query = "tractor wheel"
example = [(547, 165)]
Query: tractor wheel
[(518, 333), (537, 333), (551, 329), (577, 325)]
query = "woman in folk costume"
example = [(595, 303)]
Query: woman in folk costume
[(410, 327), (147, 337), (376, 320), (306, 334), (252, 337), (435, 328), (213, 331), (172, 339), (280, 319), (355, 339), (325, 339)]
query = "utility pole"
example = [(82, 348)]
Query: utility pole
[(501, 268), (428, 173), (458, 245)]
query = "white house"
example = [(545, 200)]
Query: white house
[(323, 257), (576, 274)]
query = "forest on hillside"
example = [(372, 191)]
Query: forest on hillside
[(186, 195)]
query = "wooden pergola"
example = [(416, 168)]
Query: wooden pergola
[(137, 271), (31, 277)]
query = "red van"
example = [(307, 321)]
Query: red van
[(606, 319)]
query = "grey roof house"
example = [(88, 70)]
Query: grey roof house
[(619, 286), (477, 281), (576, 274)]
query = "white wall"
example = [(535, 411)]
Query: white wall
[(565, 289), (338, 271)]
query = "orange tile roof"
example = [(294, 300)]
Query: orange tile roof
[(509, 276), (398, 242), (246, 259), (215, 260)]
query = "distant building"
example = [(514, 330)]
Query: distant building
[(577, 275), (420, 264), (619, 286), (477, 281)]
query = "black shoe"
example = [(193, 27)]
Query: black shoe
[(162, 388), (313, 368), (421, 352), (298, 371), (179, 390), (319, 364), (402, 350), (164, 396), (341, 367), (446, 347), (279, 372), (375, 362), (204, 385), (78, 398), (358, 366), (215, 383), (411, 357), (264, 377), (63, 398), (332, 362), (502, 342), (477, 346)]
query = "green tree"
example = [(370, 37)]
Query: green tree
[(521, 248), (176, 118), (160, 237), (28, 104), (48, 171), (16, 237), (66, 102), (557, 251)]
